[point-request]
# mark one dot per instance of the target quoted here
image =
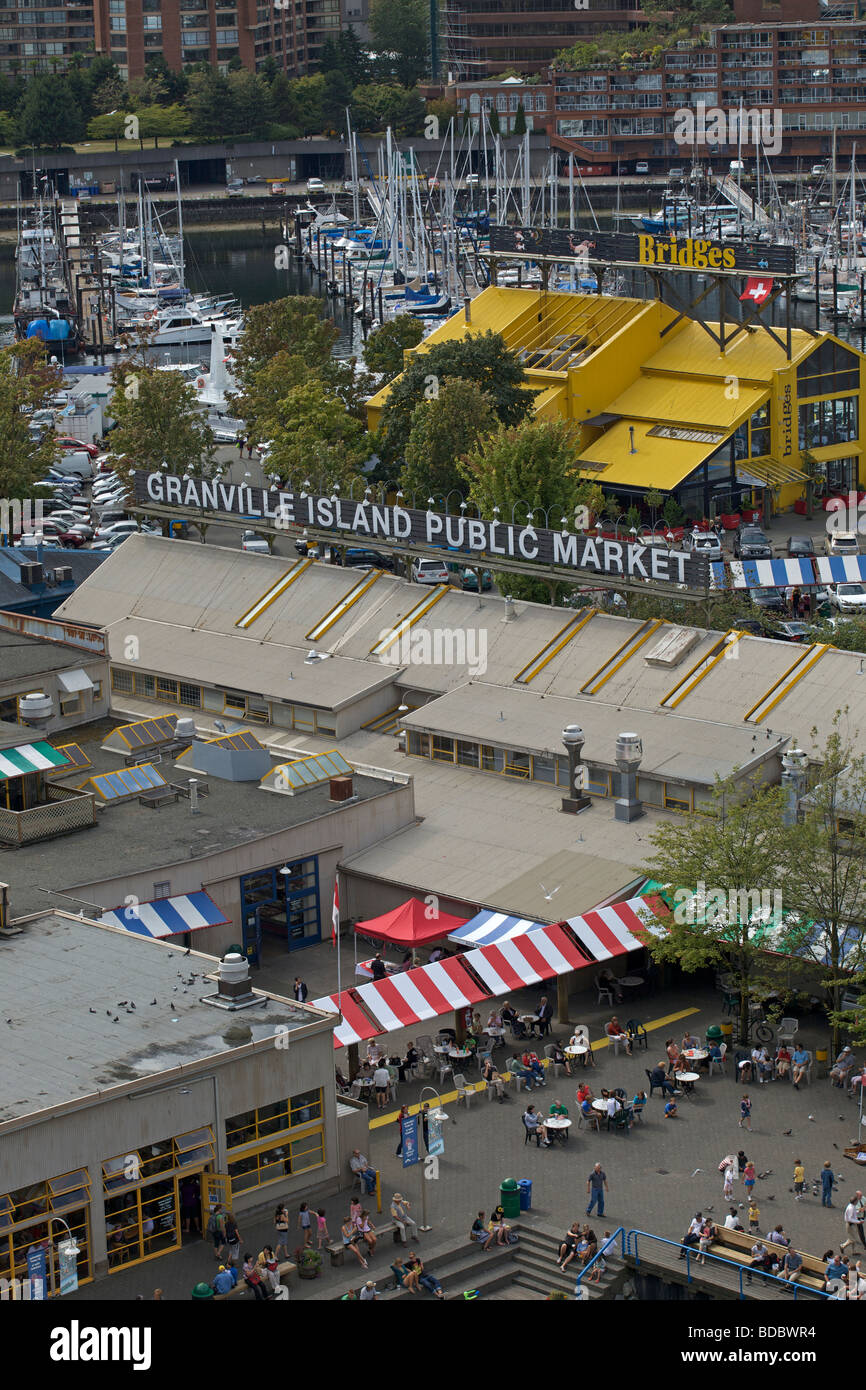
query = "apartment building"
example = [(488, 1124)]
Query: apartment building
[(484, 37), (35, 38)]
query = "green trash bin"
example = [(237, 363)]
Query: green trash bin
[(202, 1291), (509, 1197), (714, 1033)]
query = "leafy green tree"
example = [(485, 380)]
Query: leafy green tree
[(529, 470), (480, 357), (294, 326), (315, 437), (110, 95), (520, 120), (50, 115), (251, 100), (493, 121), (8, 129), (308, 96), (443, 431), (27, 383), (175, 84), (336, 96), (282, 99), (354, 61), (719, 865), (170, 122), (211, 105), (400, 30), (383, 351), (110, 126)]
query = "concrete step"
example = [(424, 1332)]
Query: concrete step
[(537, 1269), (518, 1293), (467, 1267)]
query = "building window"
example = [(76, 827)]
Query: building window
[(145, 685), (70, 704), (516, 765), (141, 1192), (443, 749), (598, 781), (189, 695), (275, 1162), (270, 1120), (467, 754), (121, 681), (281, 907), (24, 1224), (759, 431), (677, 798), (233, 703), (830, 369), (418, 744), (162, 890), (492, 759), (166, 689), (828, 422), (97, 692)]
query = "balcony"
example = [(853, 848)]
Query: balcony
[(62, 811)]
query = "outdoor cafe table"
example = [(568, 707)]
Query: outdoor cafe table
[(495, 1034), (558, 1122), (631, 981), (696, 1054), (459, 1054), (600, 1106), (687, 1079)]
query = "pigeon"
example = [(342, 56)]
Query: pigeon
[(770, 1197), (765, 1175), (710, 1207), (115, 1019), (835, 1145), (108, 1011), (8, 1020), (152, 1002), (187, 951), (132, 1004), (123, 1003), (265, 1003), (91, 1011), (787, 1131)]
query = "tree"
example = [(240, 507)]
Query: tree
[(172, 122), (480, 357), (27, 383), (110, 95), (251, 101), (294, 326), (824, 874), (175, 84), (211, 105), (493, 121), (50, 115), (529, 471), (308, 97), (400, 34), (723, 868), (315, 437), (383, 351), (442, 432), (520, 120)]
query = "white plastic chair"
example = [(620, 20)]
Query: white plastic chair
[(445, 1069), (548, 1052), (464, 1092), (788, 1030), (605, 993), (616, 1043)]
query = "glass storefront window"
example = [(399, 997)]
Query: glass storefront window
[(759, 431), (824, 423), (273, 1162), (273, 1119), (443, 749), (284, 906), (24, 1225)]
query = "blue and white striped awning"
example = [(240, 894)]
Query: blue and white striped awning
[(486, 927), (763, 574), (167, 916), (841, 569)]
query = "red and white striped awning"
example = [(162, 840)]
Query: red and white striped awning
[(412, 996), (609, 931), (356, 1026), (524, 960)]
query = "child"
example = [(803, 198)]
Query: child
[(749, 1179), (705, 1241), (305, 1223), (322, 1227), (671, 1110), (754, 1217), (746, 1113), (799, 1180), (599, 1267), (729, 1182)]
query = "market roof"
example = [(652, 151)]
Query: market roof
[(631, 456), (55, 1055), (683, 401), (22, 656), (22, 758)]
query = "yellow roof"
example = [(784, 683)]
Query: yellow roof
[(681, 401), (551, 404), (656, 463), (751, 356)]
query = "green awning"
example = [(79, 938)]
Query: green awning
[(29, 757)]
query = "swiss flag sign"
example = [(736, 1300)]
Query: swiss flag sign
[(758, 288)]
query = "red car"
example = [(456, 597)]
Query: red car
[(67, 443), (75, 539)]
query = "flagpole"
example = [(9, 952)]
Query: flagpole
[(337, 930)]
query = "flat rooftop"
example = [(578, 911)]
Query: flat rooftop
[(22, 656), (129, 838), (76, 1048)]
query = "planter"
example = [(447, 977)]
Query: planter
[(730, 520), (800, 506)]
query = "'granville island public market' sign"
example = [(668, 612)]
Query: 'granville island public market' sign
[(369, 521)]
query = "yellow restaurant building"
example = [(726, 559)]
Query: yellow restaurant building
[(660, 407)]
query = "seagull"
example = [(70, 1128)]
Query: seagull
[(697, 1170), (787, 1131), (551, 893)]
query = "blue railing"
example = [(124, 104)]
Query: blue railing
[(630, 1247), (611, 1240)]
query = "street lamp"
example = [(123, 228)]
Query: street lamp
[(440, 1115), (573, 738)]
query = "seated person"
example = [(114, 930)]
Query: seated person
[(480, 1232), (532, 1063), (490, 1074), (568, 1248), (557, 1108), (761, 1259), (608, 981), (639, 1102), (494, 1019), (409, 1061), (535, 1127), (510, 1019), (614, 1029), (671, 1110), (584, 1092), (732, 1220), (544, 1014), (614, 1105), (225, 1279), (858, 1080), (525, 1075), (761, 1064), (799, 1066), (558, 1056), (714, 1052), (777, 1236), (791, 1265), (658, 1078), (428, 1281), (361, 1167), (689, 1041), (783, 1060), (587, 1247), (842, 1067)]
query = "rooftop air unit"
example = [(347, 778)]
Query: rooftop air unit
[(37, 708)]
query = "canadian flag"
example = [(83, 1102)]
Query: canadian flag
[(757, 290), (335, 913)]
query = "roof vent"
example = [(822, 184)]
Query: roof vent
[(63, 574), (185, 728), (509, 608), (234, 988), (36, 708)]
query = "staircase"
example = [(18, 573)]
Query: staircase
[(537, 1274), (468, 1267)]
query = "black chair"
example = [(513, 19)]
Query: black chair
[(653, 1085), (637, 1033), (543, 1027), (518, 1030), (530, 1134)]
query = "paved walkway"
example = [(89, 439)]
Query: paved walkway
[(659, 1175)]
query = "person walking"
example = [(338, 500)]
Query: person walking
[(322, 1236), (854, 1214), (754, 1217), (403, 1115), (382, 1084), (596, 1187), (281, 1230), (827, 1181), (305, 1223), (216, 1229), (233, 1238), (745, 1113)]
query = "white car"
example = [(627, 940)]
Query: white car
[(430, 572), (117, 528), (849, 598), (315, 186), (705, 543), (252, 541), (842, 543)]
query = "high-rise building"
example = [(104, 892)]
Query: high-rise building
[(36, 39), (215, 31), (481, 38)]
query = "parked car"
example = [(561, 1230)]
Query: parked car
[(800, 547), (469, 580), (750, 543), (771, 600), (818, 170), (429, 572), (73, 538), (736, 166), (256, 544), (125, 527), (77, 464), (705, 543), (67, 443), (641, 167), (235, 188), (359, 558), (676, 172), (842, 543), (315, 186), (791, 632), (849, 598)]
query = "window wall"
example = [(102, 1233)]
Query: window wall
[(24, 1226), (270, 1143), (142, 1193)]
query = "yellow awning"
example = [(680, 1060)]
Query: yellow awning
[(772, 472), (657, 462), (683, 401)]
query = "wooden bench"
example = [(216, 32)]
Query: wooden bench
[(337, 1249), (240, 1290), (737, 1246)]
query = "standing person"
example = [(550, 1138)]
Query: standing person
[(382, 1083), (281, 1229), (749, 1176), (299, 990), (401, 1218), (728, 1190), (322, 1236), (745, 1121), (425, 1125), (377, 967), (705, 1240), (596, 1187), (854, 1214), (190, 1205), (403, 1115), (754, 1217), (827, 1180), (799, 1179), (216, 1229), (673, 1054), (305, 1223), (233, 1238)]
